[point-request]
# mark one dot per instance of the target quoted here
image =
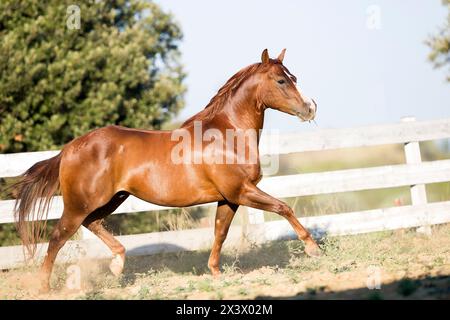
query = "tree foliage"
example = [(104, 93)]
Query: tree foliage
[(120, 67), (440, 44)]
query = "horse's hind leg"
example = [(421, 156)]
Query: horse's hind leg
[(94, 223), (68, 224), (118, 250)]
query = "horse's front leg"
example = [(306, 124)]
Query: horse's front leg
[(224, 215), (252, 196)]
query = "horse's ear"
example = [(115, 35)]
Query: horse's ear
[(281, 56), (265, 56)]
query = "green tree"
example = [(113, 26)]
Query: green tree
[(57, 82), (440, 44)]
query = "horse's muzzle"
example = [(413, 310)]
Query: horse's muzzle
[(311, 107)]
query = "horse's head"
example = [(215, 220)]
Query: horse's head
[(278, 89)]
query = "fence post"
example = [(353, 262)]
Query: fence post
[(418, 191), (86, 234), (255, 216), (250, 216)]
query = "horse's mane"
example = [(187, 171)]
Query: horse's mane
[(224, 93)]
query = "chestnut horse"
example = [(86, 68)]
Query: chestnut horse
[(96, 172)]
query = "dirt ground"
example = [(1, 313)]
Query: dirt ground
[(402, 264)]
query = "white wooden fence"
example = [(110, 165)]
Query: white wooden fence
[(413, 173)]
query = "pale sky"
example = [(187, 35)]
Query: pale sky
[(357, 75)]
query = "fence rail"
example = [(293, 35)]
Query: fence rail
[(413, 173)]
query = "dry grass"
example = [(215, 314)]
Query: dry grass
[(411, 266)]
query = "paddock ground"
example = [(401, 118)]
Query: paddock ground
[(410, 266)]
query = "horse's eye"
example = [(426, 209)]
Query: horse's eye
[(281, 81)]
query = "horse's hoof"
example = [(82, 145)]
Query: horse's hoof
[(215, 271), (313, 250), (43, 283), (44, 289), (116, 265), (216, 274)]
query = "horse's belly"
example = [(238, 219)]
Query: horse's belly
[(175, 188)]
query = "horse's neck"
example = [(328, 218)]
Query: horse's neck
[(243, 111)]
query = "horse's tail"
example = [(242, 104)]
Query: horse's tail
[(34, 191)]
